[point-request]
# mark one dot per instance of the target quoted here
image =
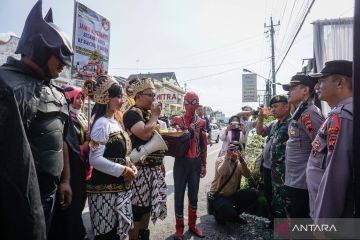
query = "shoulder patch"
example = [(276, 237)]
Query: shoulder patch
[(306, 119), (333, 132)]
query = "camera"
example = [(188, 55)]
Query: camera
[(239, 146)]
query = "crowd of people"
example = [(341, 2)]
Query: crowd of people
[(307, 159), (53, 160)]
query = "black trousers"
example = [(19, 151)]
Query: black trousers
[(67, 224), (299, 202), (112, 235), (227, 209), (266, 174), (186, 173)]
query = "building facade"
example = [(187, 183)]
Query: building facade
[(7, 49)]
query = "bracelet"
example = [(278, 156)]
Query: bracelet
[(125, 171)]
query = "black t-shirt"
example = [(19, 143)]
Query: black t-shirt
[(130, 119)]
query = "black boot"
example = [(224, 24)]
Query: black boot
[(144, 234)]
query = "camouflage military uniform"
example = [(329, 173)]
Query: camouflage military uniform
[(279, 193)]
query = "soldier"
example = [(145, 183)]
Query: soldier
[(303, 126), (328, 173), (279, 134)]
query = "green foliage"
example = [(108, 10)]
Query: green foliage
[(269, 119), (177, 113), (221, 122)]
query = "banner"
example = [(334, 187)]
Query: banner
[(249, 88), (91, 42)]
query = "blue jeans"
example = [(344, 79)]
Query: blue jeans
[(48, 203)]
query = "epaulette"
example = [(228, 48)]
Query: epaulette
[(345, 110)]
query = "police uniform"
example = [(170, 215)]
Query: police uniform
[(301, 133), (328, 173), (303, 127), (330, 164), (279, 131)]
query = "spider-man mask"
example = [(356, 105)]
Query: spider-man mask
[(191, 102)]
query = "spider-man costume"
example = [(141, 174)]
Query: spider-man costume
[(188, 170)]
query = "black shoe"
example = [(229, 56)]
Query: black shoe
[(197, 233), (144, 234)]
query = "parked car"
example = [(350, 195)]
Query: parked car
[(215, 132)]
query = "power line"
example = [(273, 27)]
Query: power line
[(181, 67), (287, 36), (202, 52), (297, 32), (225, 71), (301, 13)]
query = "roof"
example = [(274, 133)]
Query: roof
[(335, 21), (120, 79)]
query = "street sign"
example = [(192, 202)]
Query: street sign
[(249, 88)]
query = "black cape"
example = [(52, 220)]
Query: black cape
[(21, 213)]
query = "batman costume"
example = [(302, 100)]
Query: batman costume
[(22, 90)]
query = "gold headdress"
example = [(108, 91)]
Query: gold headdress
[(139, 85), (101, 93)]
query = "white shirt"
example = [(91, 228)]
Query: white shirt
[(226, 138), (248, 127), (100, 132)]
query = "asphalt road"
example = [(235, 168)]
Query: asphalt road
[(165, 229)]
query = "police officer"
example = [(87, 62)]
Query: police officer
[(328, 173), (303, 126), (279, 134)]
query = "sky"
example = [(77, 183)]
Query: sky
[(206, 43)]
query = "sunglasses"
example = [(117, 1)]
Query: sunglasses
[(193, 102)]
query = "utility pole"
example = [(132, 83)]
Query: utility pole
[(272, 32)]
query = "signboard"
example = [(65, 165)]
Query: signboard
[(249, 88), (167, 97), (91, 42)]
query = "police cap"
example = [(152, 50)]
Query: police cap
[(302, 79), (341, 67)]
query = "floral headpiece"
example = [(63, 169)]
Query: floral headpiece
[(101, 89)]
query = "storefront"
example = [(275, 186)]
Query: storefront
[(170, 96)]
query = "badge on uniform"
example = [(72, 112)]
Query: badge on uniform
[(331, 142), (292, 132), (306, 119), (332, 138), (315, 144), (333, 133)]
